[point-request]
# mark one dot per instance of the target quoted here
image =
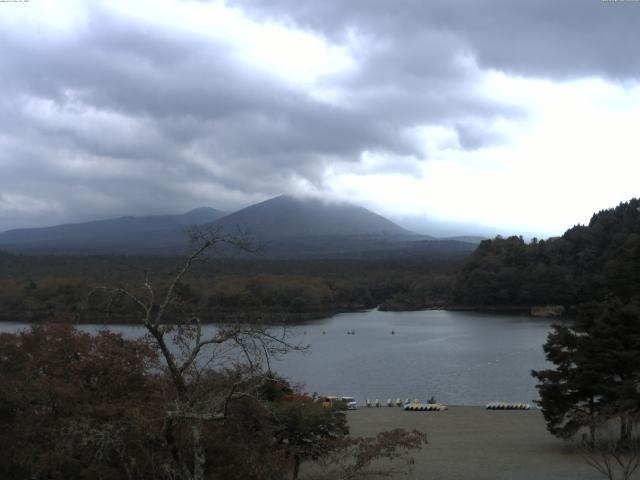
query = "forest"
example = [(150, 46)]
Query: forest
[(587, 262), (57, 288)]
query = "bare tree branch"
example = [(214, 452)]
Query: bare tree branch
[(247, 348)]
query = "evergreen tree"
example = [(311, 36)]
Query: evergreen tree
[(597, 370), (569, 393)]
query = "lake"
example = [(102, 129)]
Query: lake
[(460, 358)]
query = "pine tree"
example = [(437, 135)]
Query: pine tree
[(597, 370)]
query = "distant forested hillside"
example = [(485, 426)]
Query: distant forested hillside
[(56, 288), (587, 263)]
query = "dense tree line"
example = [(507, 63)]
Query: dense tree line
[(587, 262), (282, 294)]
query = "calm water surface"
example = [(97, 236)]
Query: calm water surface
[(460, 358)]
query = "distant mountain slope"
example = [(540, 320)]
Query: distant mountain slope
[(284, 227), (289, 217), (370, 247), (137, 233)]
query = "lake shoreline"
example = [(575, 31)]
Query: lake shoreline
[(539, 311), (286, 318), (216, 318)]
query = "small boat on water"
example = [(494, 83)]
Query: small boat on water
[(425, 407), (508, 406)]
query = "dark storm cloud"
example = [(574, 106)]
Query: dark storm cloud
[(546, 38), (122, 115)]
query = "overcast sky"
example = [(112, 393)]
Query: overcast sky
[(524, 115)]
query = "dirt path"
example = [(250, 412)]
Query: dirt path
[(472, 443)]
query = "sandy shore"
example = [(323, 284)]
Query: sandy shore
[(474, 443)]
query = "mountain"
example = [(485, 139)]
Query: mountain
[(289, 217), (119, 234), (290, 227), (284, 227)]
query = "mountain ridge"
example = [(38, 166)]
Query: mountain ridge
[(285, 216), (287, 227), (118, 231)]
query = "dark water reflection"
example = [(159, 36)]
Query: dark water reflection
[(462, 358), (457, 357)]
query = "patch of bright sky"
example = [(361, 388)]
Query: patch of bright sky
[(296, 57), (26, 204), (576, 152), (44, 17)]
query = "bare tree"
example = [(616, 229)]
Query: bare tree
[(193, 353), (614, 455)]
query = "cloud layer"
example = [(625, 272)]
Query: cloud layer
[(413, 107)]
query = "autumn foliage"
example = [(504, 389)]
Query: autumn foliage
[(74, 405), (81, 406)]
